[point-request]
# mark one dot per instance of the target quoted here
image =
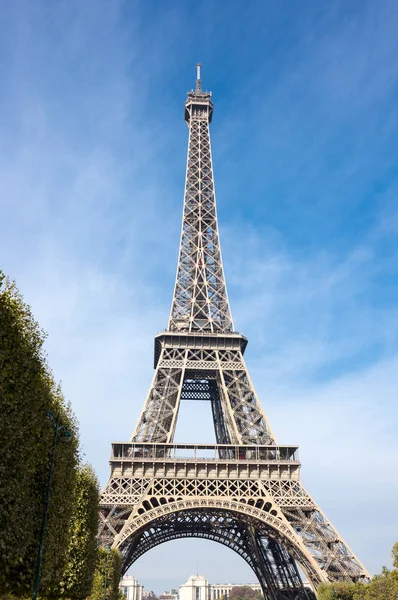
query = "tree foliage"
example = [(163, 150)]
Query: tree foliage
[(23, 434), (340, 591), (27, 395), (244, 592), (108, 569), (61, 504), (77, 580), (394, 554)]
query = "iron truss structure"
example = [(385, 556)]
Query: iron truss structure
[(244, 491)]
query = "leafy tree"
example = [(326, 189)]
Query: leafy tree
[(27, 395), (383, 586), (108, 568), (394, 553), (61, 506), (341, 591), (243, 592), (24, 397), (77, 580)]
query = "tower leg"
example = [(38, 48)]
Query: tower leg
[(277, 572)]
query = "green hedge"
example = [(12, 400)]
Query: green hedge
[(108, 568), (27, 395), (77, 580)]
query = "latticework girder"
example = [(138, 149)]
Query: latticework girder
[(200, 301), (219, 376), (245, 491)]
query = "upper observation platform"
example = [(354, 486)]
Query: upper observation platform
[(198, 105)]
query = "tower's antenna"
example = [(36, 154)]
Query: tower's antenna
[(198, 81)]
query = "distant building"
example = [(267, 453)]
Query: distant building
[(130, 588), (216, 590), (170, 595), (198, 588)]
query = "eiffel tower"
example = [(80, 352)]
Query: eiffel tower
[(245, 490)]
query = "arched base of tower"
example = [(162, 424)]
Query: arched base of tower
[(272, 563)]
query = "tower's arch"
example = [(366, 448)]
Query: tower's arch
[(249, 531)]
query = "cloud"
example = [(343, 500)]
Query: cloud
[(310, 314), (347, 433)]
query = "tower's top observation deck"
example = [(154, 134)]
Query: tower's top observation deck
[(198, 104)]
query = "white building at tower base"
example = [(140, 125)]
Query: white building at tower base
[(198, 588), (130, 588)]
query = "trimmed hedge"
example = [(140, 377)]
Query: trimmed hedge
[(77, 580), (109, 567), (28, 394)]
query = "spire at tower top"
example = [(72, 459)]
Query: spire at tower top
[(198, 81)]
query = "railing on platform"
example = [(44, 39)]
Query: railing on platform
[(203, 452)]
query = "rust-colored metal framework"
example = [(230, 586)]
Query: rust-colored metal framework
[(245, 491)]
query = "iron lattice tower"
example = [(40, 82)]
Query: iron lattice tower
[(245, 490)]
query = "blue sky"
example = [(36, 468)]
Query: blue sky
[(92, 159)]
